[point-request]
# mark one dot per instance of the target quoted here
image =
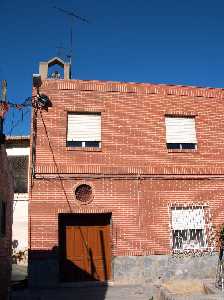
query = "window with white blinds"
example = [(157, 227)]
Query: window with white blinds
[(180, 132), (84, 130), (188, 228)]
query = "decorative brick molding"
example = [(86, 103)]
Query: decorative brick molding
[(133, 87)]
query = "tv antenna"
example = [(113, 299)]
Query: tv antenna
[(61, 51), (72, 15)]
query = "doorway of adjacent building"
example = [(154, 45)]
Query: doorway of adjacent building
[(85, 247)]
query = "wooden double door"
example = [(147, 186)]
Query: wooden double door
[(85, 247)]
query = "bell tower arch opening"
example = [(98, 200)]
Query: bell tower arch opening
[(55, 68)]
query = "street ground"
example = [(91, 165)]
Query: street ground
[(84, 292), (195, 289), (131, 292), (19, 272)]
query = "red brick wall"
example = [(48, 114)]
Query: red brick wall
[(133, 176), (6, 192)]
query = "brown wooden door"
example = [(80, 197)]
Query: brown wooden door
[(87, 250)]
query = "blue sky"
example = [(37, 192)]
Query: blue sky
[(157, 41)]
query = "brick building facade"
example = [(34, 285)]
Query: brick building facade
[(143, 179), (6, 201)]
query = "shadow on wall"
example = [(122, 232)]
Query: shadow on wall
[(47, 269), (73, 273)]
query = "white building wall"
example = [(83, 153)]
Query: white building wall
[(20, 222), (20, 216)]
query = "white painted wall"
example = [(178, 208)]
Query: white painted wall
[(20, 210), (23, 151), (20, 221)]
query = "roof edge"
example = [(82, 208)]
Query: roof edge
[(133, 87)]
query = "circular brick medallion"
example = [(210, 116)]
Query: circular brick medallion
[(84, 193)]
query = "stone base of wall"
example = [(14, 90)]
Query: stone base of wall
[(133, 269), (159, 268)]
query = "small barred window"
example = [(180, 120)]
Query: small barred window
[(191, 228)]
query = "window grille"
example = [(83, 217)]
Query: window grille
[(19, 165), (191, 228)]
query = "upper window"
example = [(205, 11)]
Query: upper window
[(180, 133), (188, 228), (84, 130)]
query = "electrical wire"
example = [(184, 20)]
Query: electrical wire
[(55, 162), (26, 103), (89, 250)]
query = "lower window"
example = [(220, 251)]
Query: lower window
[(188, 239), (188, 228)]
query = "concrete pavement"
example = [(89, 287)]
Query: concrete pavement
[(83, 292), (132, 292), (19, 272)]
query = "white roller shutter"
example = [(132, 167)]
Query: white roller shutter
[(187, 218), (180, 130), (84, 127)]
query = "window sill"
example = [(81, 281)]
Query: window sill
[(181, 150), (201, 249), (85, 149)]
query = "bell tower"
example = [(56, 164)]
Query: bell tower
[(56, 61)]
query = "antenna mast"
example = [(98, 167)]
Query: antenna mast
[(72, 16)]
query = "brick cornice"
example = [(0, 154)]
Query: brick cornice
[(130, 87), (85, 170)]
